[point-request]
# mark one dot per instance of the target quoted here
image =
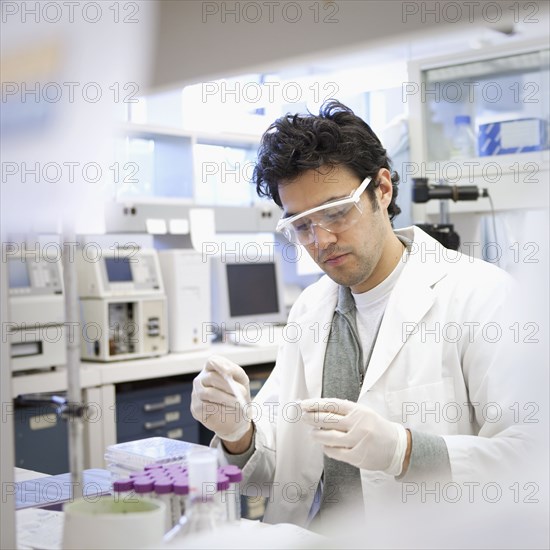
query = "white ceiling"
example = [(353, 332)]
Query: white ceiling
[(422, 46)]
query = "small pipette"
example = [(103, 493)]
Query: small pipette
[(235, 389)]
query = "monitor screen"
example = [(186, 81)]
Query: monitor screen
[(118, 270), (18, 274), (252, 289), (246, 293)]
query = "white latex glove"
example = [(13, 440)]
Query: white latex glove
[(356, 434), (219, 403)]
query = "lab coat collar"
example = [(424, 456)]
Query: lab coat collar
[(410, 300)]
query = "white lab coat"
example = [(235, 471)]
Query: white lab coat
[(409, 374)]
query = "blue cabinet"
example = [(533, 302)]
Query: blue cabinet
[(41, 440), (156, 408)]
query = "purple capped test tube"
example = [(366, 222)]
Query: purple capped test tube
[(123, 485), (163, 491), (233, 493), (181, 491), (123, 489), (223, 486), (143, 486)]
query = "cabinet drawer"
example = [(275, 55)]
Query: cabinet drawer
[(147, 410)]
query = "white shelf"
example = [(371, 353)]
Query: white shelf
[(150, 131), (52, 381), (234, 139), (522, 167)]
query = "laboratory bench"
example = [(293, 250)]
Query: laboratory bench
[(43, 527), (127, 400)]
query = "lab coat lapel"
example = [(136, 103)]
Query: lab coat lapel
[(409, 302), (315, 330)]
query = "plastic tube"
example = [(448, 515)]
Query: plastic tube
[(163, 491), (123, 489), (233, 493), (181, 492), (204, 512), (223, 486)]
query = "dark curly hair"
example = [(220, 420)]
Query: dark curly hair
[(296, 143)]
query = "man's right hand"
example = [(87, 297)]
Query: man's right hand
[(214, 404)]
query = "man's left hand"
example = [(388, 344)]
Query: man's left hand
[(356, 434)]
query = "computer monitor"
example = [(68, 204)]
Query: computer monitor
[(247, 292), (118, 272)]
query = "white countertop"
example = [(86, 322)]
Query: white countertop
[(93, 374)]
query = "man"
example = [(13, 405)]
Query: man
[(378, 389)]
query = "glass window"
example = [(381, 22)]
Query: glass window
[(236, 105)]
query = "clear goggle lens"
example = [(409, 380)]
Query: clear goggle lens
[(334, 217)]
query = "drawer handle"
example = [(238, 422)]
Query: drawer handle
[(155, 425), (154, 406)]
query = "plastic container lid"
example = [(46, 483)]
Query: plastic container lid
[(223, 482), (234, 473), (463, 119), (157, 472), (136, 455), (126, 484), (175, 468), (143, 485), (163, 487), (181, 485), (161, 479), (154, 467)]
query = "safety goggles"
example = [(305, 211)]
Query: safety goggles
[(334, 217)]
